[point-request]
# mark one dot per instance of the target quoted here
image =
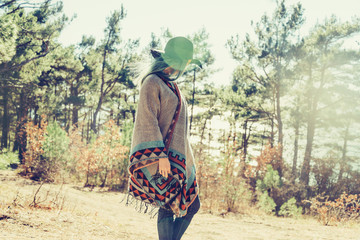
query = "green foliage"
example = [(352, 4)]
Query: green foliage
[(266, 203), (236, 193), (7, 158), (274, 193), (104, 159), (46, 151), (290, 209), (329, 72), (270, 181), (126, 133), (56, 144), (260, 77), (8, 36), (272, 178)]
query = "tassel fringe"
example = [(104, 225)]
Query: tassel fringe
[(140, 206)]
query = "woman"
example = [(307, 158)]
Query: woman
[(162, 170)]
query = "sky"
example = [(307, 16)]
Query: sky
[(222, 19)]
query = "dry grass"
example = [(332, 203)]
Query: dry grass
[(70, 212)]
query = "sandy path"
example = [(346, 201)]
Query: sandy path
[(95, 215)]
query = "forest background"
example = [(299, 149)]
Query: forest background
[(289, 135)]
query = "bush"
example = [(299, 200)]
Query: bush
[(55, 146), (34, 165), (271, 180), (52, 153), (266, 203), (265, 186), (105, 159), (290, 209), (345, 208), (56, 143), (269, 156), (236, 193), (8, 159), (46, 151), (126, 133)]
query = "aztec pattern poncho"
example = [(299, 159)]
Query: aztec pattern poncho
[(161, 106)]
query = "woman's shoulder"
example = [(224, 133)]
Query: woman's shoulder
[(152, 80)]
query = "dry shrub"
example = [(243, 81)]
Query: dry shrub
[(270, 176), (77, 151), (223, 188), (235, 191), (221, 194), (48, 200), (54, 154), (268, 156), (14, 206), (325, 176), (343, 209), (208, 180), (237, 195), (46, 151), (34, 165), (104, 160)]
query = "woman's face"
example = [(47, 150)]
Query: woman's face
[(174, 74), (170, 71)]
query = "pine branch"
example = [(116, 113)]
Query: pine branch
[(5, 69)]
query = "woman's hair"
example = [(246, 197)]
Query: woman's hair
[(157, 66), (143, 68)]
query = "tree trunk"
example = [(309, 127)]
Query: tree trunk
[(66, 110), (36, 120), (95, 115), (20, 136), (201, 147), (105, 178), (102, 94), (6, 118), (9, 141), (313, 106), (272, 133), (244, 146), (88, 129), (296, 141), (133, 111), (192, 103), (245, 140), (343, 157), (74, 91), (75, 116), (278, 119), (305, 171), (296, 149)]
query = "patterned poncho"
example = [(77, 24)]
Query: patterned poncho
[(161, 106)]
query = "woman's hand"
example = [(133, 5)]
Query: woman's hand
[(164, 167)]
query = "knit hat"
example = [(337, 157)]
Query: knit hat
[(178, 53)]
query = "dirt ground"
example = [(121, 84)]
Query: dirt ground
[(70, 212)]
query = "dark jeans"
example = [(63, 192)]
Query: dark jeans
[(173, 229)]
